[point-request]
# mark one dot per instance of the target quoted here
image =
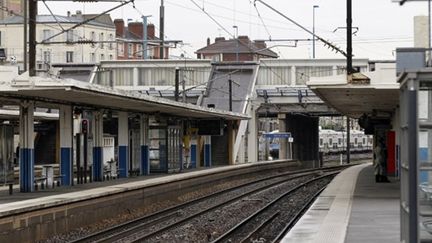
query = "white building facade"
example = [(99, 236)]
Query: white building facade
[(11, 39)]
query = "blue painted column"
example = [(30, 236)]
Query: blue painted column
[(207, 151), (26, 153), (66, 140), (144, 141), (193, 152), (123, 141), (97, 125)]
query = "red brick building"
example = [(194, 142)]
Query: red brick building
[(130, 41), (240, 49)]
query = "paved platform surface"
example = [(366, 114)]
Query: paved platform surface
[(353, 209)]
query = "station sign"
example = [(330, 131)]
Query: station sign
[(277, 135)]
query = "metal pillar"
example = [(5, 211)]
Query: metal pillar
[(144, 142), (282, 141), (97, 145), (145, 36), (231, 141), (313, 31), (194, 152), (25, 10), (177, 84), (348, 141), (123, 141), (26, 153), (32, 37), (252, 138), (349, 37), (207, 151), (66, 141), (230, 93), (162, 29)]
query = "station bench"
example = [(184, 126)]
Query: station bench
[(43, 181)]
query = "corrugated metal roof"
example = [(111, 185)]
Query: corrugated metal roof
[(234, 46), (45, 19)]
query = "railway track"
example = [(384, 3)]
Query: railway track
[(149, 228), (256, 225)]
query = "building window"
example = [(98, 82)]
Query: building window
[(102, 57), (92, 57), (46, 34), (93, 38), (69, 56), (339, 140), (101, 39), (70, 36), (130, 52), (321, 141), (139, 51), (111, 38), (0, 38), (330, 141), (121, 49), (47, 57), (110, 56)]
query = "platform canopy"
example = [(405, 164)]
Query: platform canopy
[(58, 91), (371, 92)]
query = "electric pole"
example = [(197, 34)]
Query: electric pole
[(161, 29), (25, 36), (32, 37), (350, 70)]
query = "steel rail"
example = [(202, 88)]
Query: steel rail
[(153, 217), (296, 217), (249, 219)]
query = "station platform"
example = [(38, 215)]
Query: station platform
[(20, 202), (353, 209)]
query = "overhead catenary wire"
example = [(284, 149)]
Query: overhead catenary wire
[(330, 45), (89, 19)]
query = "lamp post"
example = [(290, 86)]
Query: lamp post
[(237, 42), (313, 31)]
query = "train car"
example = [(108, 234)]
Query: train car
[(334, 142)]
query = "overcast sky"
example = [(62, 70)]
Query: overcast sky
[(383, 25)]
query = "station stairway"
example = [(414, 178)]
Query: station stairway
[(243, 76)]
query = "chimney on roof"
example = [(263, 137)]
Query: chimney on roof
[(244, 38), (260, 44), (79, 14), (119, 24), (136, 28), (208, 41), (151, 31), (217, 39)]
